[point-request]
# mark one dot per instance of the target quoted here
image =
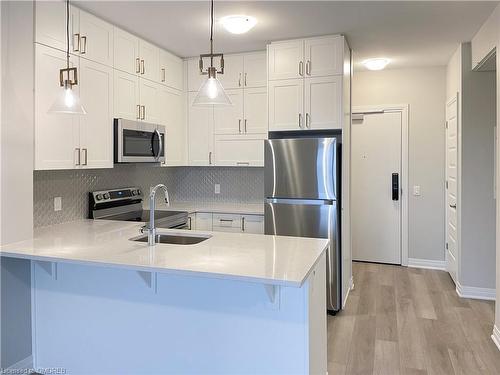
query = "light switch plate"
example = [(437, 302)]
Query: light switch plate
[(217, 188), (416, 190), (57, 203)]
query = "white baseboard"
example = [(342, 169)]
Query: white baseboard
[(495, 336), (475, 293), (351, 286), (26, 363), (426, 263)]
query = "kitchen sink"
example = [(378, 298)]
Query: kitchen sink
[(174, 239)]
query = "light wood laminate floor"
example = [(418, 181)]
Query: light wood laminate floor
[(402, 320)]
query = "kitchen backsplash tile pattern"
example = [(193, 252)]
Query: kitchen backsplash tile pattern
[(185, 184)]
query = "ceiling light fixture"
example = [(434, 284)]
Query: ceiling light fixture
[(211, 92), (238, 24), (68, 100), (376, 64)]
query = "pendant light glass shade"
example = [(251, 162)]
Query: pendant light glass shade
[(67, 102), (211, 93)]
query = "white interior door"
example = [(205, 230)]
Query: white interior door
[(451, 191), (376, 214)]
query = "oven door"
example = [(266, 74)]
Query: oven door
[(138, 142)]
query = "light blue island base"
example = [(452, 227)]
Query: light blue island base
[(104, 320)]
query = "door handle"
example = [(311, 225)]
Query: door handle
[(300, 120), (138, 112), (395, 186), (239, 125), (210, 158), (301, 68), (160, 144), (85, 152), (243, 224), (245, 80), (137, 65), (239, 80), (163, 75), (76, 46), (84, 45), (308, 67), (308, 120), (245, 125), (142, 66), (77, 151)]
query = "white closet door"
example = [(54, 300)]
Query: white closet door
[(255, 110), (126, 51), (126, 95), (286, 105), (323, 103), (229, 119), (56, 135), (96, 127)]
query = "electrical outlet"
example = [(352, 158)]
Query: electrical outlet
[(416, 190), (57, 204), (217, 188)]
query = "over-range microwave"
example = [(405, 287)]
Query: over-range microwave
[(138, 142)]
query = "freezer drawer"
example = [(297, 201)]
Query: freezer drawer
[(301, 168)]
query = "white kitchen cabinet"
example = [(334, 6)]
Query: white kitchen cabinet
[(286, 60), (171, 113), (56, 135), (323, 103), (126, 51), (171, 70), (246, 150), (286, 104), (255, 110), (255, 69), (149, 56), (50, 24), (324, 56), (252, 224), (126, 95), (226, 223), (200, 134), (203, 221), (195, 79), (92, 38), (148, 94), (229, 119), (233, 72), (96, 127)]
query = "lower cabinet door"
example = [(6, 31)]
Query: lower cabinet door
[(241, 150), (252, 224), (203, 221)]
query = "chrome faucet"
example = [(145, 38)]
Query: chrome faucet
[(152, 208)]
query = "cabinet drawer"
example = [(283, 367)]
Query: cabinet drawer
[(226, 223), (252, 224)]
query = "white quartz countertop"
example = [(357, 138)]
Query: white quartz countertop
[(275, 260), (221, 208)]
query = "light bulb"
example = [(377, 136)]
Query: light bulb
[(211, 88), (69, 99)]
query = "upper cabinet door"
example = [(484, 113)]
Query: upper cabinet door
[(229, 119), (171, 70), (323, 103), (50, 18), (56, 135), (324, 56), (200, 134), (96, 127), (255, 111), (286, 105), (149, 61), (171, 113), (148, 94), (233, 71), (239, 150), (255, 69), (286, 60), (96, 39), (126, 52), (126, 96), (194, 77)]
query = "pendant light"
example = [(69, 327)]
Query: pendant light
[(68, 100), (211, 92)]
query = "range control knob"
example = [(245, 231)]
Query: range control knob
[(106, 196), (139, 192), (135, 192), (98, 197)]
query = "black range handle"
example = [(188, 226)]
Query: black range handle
[(395, 186)]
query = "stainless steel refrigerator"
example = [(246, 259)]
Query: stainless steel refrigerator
[(302, 190)]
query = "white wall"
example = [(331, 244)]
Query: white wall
[(424, 90)]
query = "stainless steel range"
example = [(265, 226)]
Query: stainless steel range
[(125, 204)]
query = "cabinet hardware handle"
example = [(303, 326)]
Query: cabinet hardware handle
[(77, 150), (300, 120), (239, 125), (143, 112), (226, 220), (239, 80), (453, 206), (137, 65), (84, 45), (190, 223), (308, 120), (308, 67), (301, 68), (142, 66), (84, 150), (243, 224), (138, 112), (210, 158), (163, 74), (77, 44), (245, 125), (242, 163), (245, 79)]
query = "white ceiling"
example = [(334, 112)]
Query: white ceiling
[(411, 34)]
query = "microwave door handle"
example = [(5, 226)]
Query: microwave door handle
[(160, 144)]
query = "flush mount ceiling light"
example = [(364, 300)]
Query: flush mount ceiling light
[(68, 100), (211, 92), (238, 24), (376, 64)]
